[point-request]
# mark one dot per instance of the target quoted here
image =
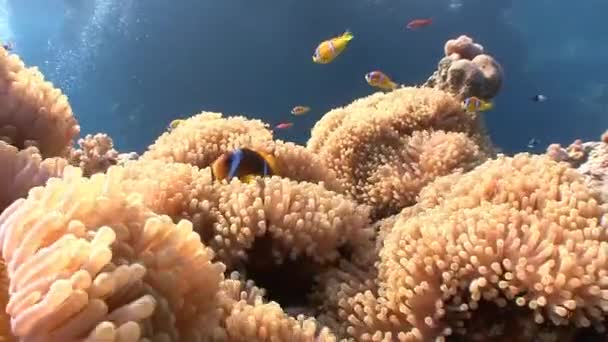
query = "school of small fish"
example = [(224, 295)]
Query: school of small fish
[(247, 164), (328, 50)]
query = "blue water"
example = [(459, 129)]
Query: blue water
[(130, 67)]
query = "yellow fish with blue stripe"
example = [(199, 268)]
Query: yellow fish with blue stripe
[(474, 104), (245, 164), (329, 49)]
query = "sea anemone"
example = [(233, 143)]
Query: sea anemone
[(385, 147), (395, 222), (87, 260), (32, 111), (513, 248), (22, 170)]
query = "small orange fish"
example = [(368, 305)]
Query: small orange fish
[(245, 164), (419, 23), (329, 49), (380, 80), (474, 104), (300, 110), (284, 125)]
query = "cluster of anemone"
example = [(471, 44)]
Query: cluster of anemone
[(395, 222)]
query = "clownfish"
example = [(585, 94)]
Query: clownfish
[(329, 49), (473, 105), (380, 80), (243, 163)]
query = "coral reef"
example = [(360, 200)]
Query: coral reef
[(96, 154), (589, 158), (396, 222), (466, 71)]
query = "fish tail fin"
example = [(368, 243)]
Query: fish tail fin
[(489, 105), (394, 85), (348, 35)]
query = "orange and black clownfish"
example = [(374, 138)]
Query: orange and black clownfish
[(243, 163)]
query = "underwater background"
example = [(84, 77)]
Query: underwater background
[(393, 219), (130, 67)]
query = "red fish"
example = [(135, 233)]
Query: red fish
[(284, 125), (419, 23)]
